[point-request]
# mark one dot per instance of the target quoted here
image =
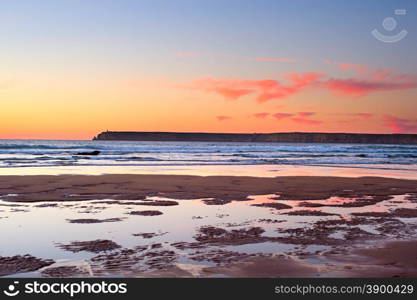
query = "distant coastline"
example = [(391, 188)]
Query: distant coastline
[(284, 137)]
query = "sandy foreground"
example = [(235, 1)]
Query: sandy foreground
[(379, 231)]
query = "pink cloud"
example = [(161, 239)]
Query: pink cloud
[(302, 119), (368, 80), (280, 116), (231, 89), (399, 125), (347, 66), (231, 94), (276, 59), (362, 87), (382, 74), (303, 79), (356, 67), (306, 121), (223, 118), (375, 74), (306, 113), (261, 115), (271, 89), (264, 90)]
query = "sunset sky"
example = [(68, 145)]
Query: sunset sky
[(71, 69)]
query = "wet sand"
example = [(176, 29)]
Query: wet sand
[(392, 259), (274, 170), (225, 188), (258, 227)]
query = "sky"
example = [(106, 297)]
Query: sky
[(70, 69)]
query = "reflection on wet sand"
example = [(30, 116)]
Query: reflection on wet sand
[(243, 238)]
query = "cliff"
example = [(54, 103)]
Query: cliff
[(284, 137)]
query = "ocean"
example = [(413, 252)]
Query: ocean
[(56, 153)]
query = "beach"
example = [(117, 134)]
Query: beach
[(147, 225), (208, 139)]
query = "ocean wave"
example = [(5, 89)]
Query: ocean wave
[(31, 146), (58, 153)]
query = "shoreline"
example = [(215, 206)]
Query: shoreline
[(269, 170)]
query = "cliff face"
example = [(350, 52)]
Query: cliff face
[(290, 137)]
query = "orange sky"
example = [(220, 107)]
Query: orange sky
[(196, 67), (57, 111)]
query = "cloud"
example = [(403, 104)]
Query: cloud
[(306, 113), (382, 74), (270, 89), (280, 116), (301, 120), (362, 87), (230, 93), (399, 125), (367, 82), (223, 118), (360, 69), (276, 59), (302, 79), (261, 115), (231, 89), (347, 66), (263, 89), (306, 121)]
